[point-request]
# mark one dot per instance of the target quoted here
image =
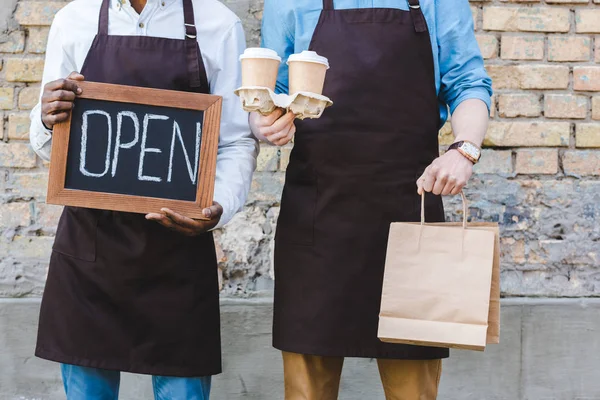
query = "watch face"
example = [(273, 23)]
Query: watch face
[(471, 150)]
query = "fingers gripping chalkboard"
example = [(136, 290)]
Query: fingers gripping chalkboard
[(136, 149)]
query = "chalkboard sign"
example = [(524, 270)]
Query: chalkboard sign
[(136, 150)]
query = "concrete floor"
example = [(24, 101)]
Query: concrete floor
[(550, 350)]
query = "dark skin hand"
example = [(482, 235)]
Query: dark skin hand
[(58, 98), (185, 225), (57, 102)]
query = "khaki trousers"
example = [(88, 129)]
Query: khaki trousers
[(318, 378)]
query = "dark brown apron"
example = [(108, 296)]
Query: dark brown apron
[(124, 293), (351, 174)]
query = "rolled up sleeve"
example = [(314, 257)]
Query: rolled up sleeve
[(462, 70)]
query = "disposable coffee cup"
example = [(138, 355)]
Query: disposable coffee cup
[(260, 67), (307, 72)]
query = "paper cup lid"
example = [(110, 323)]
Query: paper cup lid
[(309, 56), (258, 52)]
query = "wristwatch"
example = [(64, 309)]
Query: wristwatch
[(468, 149)]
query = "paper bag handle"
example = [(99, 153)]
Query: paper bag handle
[(464, 201)]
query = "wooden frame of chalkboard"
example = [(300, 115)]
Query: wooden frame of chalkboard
[(211, 107)]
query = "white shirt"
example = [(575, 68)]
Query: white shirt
[(221, 39)]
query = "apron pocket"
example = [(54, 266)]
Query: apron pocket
[(76, 234), (297, 217)]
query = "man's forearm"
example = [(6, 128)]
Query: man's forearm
[(470, 121)]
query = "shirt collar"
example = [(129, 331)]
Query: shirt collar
[(160, 3)]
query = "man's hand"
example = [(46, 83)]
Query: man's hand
[(447, 174), (185, 225), (58, 98), (276, 128)]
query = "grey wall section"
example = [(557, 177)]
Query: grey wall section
[(550, 350), (7, 22)]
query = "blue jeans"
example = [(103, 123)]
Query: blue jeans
[(83, 383)]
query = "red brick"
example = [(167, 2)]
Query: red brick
[(7, 96), (475, 13), (29, 184), (497, 18), (29, 97), (535, 19), (268, 159), (569, 48), (446, 136), (488, 45), (497, 162), (18, 126), (537, 161), (588, 135), (504, 76), (16, 155), (14, 42), (37, 12), (565, 106), (544, 76), (596, 107), (37, 40), (587, 21), (519, 105), (528, 134), (522, 47), (586, 78), (24, 69), (581, 162), (284, 159), (544, 20), (47, 216), (14, 215)]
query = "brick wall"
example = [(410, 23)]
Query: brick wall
[(539, 176)]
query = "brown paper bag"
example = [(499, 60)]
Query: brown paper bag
[(441, 285)]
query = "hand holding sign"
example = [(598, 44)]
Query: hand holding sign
[(58, 99), (134, 149), (185, 225)]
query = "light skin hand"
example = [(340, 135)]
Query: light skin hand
[(58, 98), (187, 226), (276, 128), (450, 173)]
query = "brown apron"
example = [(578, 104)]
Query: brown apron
[(351, 174), (124, 293)]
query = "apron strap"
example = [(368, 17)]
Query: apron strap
[(328, 5), (103, 19), (417, 16), (195, 67)]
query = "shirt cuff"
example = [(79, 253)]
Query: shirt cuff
[(229, 210), (472, 93), (40, 135)]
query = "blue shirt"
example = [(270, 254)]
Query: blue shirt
[(288, 27)]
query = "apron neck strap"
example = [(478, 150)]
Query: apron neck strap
[(192, 54), (103, 19), (195, 67), (328, 5), (417, 16)]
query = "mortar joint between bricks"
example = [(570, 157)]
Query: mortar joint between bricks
[(561, 169)]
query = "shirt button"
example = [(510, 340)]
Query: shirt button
[(141, 24), (163, 3)]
